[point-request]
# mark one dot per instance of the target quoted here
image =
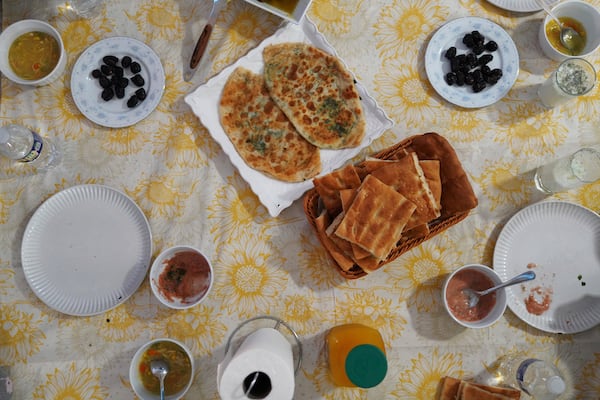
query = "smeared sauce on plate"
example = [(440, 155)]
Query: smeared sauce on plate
[(538, 301)]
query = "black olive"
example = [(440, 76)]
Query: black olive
[(123, 82), (133, 101), (120, 92), (450, 53), (110, 60), (471, 60), (140, 94), (96, 73), (138, 80), (106, 69), (107, 94), (477, 75), (118, 71), (450, 78), (497, 72), (126, 61), (104, 81), (491, 79), (478, 49), (478, 86), (484, 59), (491, 46), (469, 79), (485, 70), (135, 67), (468, 40), (460, 78)]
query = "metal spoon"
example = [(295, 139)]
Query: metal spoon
[(569, 37), (474, 295), (160, 369)]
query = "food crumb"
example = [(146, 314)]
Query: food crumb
[(531, 265)]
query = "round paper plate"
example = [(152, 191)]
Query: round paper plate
[(86, 90), (560, 242), (451, 34), (86, 250)]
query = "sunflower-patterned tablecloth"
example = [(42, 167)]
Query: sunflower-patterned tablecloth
[(191, 194)]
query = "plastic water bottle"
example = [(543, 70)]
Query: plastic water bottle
[(23, 145), (538, 378)]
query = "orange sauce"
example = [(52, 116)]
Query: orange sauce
[(553, 34), (459, 302)]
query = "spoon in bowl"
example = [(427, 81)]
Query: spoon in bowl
[(474, 295), (569, 37), (160, 369)]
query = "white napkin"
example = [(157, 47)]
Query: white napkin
[(277, 195)]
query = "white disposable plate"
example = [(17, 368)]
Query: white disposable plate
[(563, 241), (517, 5), (86, 90), (86, 250), (451, 34), (277, 195)]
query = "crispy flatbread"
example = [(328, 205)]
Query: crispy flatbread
[(329, 186), (406, 176), (451, 387), (376, 217), (261, 133), (431, 170), (344, 262), (317, 93), (468, 391)]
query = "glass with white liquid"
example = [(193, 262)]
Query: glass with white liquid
[(569, 172), (574, 77)]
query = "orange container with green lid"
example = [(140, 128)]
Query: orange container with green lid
[(356, 356)]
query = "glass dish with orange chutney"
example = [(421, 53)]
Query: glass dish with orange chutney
[(553, 34), (33, 55)]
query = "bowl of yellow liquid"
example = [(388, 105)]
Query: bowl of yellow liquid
[(32, 53), (584, 18), (291, 10)]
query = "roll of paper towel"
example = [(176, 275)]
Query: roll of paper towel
[(265, 356)]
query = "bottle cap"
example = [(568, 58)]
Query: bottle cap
[(555, 384), (366, 365)]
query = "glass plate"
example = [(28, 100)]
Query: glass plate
[(86, 90), (451, 34)]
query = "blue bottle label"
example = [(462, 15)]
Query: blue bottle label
[(36, 149), (521, 373)]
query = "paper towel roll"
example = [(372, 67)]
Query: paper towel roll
[(266, 352)]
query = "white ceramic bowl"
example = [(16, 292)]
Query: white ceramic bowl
[(136, 381), (498, 308), (17, 29), (158, 267), (295, 16), (584, 12)]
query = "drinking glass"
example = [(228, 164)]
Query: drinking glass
[(573, 77), (569, 172)]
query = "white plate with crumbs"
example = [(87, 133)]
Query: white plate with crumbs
[(277, 195), (560, 242), (506, 58), (115, 113), (86, 250)]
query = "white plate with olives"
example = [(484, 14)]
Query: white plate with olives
[(117, 82), (471, 62)]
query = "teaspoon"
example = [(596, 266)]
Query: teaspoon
[(474, 295), (160, 369), (569, 37)]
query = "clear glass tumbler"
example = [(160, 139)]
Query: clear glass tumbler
[(569, 172), (574, 77)]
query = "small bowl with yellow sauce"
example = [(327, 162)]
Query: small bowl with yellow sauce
[(291, 10), (181, 369), (32, 53), (583, 17)]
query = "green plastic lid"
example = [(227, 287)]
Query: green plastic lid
[(366, 365)]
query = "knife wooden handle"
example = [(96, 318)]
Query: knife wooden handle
[(201, 46)]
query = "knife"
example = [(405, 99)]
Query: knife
[(202, 42)]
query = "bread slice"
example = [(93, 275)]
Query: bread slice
[(451, 390), (329, 186), (469, 391), (376, 217), (407, 178), (343, 261)]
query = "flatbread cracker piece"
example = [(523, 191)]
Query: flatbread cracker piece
[(406, 176), (468, 391), (344, 262), (451, 387), (261, 133), (431, 170), (376, 218), (328, 186)]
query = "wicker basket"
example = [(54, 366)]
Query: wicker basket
[(312, 206)]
